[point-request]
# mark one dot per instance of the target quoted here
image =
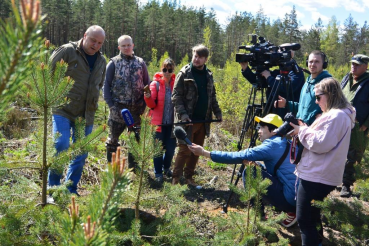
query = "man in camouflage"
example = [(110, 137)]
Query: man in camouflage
[(194, 99), (126, 76), (355, 87)]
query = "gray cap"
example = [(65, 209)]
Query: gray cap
[(360, 59)]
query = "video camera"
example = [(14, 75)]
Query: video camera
[(264, 55)]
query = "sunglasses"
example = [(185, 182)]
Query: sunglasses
[(317, 97), (167, 70)]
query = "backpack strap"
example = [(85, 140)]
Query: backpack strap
[(283, 157), (157, 92)]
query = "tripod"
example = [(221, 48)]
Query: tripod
[(260, 110)]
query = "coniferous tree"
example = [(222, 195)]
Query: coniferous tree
[(291, 27), (349, 40), (330, 40), (19, 44), (47, 88), (311, 38)]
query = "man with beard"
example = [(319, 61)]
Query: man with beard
[(194, 99)]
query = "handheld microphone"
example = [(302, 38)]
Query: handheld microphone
[(127, 117), (181, 134)]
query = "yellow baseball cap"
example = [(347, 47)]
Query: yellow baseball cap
[(270, 119)]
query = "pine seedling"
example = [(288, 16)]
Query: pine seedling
[(143, 152), (102, 208), (104, 203), (47, 88), (250, 227), (349, 217), (19, 44), (72, 232), (362, 187)]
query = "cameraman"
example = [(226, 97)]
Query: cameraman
[(297, 81), (272, 151), (307, 110)]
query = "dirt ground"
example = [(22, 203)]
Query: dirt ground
[(209, 200)]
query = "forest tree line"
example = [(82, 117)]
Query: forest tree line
[(171, 27)]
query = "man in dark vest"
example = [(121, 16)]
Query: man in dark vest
[(194, 99), (355, 87), (126, 76), (86, 66)]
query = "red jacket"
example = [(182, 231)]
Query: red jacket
[(157, 106)]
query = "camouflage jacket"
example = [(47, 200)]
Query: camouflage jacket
[(84, 95), (128, 82), (185, 95)]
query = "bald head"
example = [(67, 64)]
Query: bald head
[(95, 29), (93, 39)]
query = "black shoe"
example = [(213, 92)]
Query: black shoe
[(345, 192), (168, 173), (159, 179)]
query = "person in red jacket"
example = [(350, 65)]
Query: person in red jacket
[(162, 113)]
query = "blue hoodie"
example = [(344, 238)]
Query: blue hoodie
[(270, 151), (307, 109)]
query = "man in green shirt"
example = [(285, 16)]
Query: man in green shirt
[(355, 86)]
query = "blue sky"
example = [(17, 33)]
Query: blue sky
[(308, 11)]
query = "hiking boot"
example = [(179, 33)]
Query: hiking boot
[(175, 181), (159, 179), (290, 221), (168, 173), (345, 192)]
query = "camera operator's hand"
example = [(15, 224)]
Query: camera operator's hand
[(244, 65), (265, 74), (198, 150), (281, 102)]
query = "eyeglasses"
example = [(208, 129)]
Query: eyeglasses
[(167, 70), (317, 97)]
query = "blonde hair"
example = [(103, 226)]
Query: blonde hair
[(124, 37), (332, 89)]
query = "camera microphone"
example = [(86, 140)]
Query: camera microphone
[(181, 134), (127, 117), (289, 46)]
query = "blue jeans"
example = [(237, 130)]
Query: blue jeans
[(308, 216), (63, 126), (169, 144)]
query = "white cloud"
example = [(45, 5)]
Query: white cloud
[(353, 5), (316, 15)]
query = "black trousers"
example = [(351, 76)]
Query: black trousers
[(308, 216)]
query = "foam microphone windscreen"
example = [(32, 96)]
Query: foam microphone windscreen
[(181, 134), (127, 117)]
